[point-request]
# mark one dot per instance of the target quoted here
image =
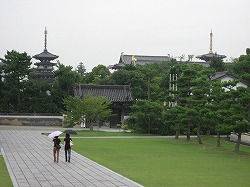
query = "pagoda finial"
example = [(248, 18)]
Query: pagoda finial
[(211, 42), (45, 42)]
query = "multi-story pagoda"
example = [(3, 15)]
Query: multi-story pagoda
[(208, 57), (45, 67)]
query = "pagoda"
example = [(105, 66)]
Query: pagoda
[(208, 57), (44, 70)]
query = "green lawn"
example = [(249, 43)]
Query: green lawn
[(156, 162), (101, 133), (5, 180), (105, 133)]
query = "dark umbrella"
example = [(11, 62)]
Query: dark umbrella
[(70, 131)]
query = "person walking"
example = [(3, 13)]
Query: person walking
[(67, 147), (56, 148)]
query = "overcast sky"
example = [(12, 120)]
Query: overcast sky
[(97, 31)]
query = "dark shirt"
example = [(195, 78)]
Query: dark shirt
[(56, 141), (67, 143)]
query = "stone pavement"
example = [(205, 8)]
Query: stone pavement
[(29, 159)]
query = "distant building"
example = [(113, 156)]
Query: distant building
[(138, 59), (45, 67), (208, 57), (120, 95), (225, 76)]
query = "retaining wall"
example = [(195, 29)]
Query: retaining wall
[(31, 120)]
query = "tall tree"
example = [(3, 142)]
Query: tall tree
[(92, 108), (16, 69), (198, 100), (186, 75), (241, 66), (240, 103), (98, 75), (147, 116), (193, 89), (36, 97), (65, 79), (172, 118), (130, 76)]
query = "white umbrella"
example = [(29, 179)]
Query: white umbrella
[(55, 133)]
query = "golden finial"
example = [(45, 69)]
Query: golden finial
[(134, 59)]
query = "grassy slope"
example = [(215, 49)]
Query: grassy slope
[(170, 162), (5, 180)]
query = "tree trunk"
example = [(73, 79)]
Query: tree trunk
[(148, 87), (149, 128), (208, 132), (91, 126), (218, 139), (199, 134), (177, 134), (188, 133), (237, 146)]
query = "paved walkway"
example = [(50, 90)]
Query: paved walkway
[(29, 159)]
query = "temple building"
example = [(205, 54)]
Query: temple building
[(208, 57), (119, 95), (138, 59), (44, 70)]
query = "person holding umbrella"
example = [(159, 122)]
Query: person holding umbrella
[(56, 148), (67, 147)]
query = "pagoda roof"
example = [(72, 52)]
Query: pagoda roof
[(209, 56), (45, 55), (114, 93), (44, 62)]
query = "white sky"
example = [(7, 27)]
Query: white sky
[(97, 31)]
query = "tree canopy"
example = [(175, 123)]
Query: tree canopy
[(89, 107)]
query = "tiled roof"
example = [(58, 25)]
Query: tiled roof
[(127, 59), (219, 75), (209, 56), (223, 74), (114, 93), (45, 55)]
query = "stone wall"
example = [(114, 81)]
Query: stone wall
[(31, 120)]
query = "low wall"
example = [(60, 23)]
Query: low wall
[(31, 120), (245, 139)]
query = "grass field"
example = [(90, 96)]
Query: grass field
[(161, 162), (5, 180), (106, 133)]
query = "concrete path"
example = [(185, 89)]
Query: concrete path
[(29, 159)]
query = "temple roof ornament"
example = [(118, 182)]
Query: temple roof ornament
[(211, 42), (45, 55), (208, 57), (134, 58), (45, 42)]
